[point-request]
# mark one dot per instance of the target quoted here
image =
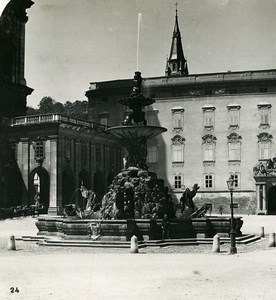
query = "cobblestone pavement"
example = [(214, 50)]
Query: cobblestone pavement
[(190, 272)]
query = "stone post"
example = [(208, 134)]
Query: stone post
[(134, 245), (216, 244), (271, 241), (262, 233), (11, 243)]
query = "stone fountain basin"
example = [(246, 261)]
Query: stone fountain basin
[(69, 228), (135, 132)]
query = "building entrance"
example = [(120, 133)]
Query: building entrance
[(39, 183), (271, 203)]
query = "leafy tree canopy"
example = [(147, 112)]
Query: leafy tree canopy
[(47, 105)]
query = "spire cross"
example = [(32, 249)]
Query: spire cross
[(176, 7)]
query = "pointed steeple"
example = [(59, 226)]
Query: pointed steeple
[(176, 63)]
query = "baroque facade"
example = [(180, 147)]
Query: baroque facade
[(219, 124)]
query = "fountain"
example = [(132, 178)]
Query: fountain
[(137, 202)]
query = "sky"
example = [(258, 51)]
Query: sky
[(71, 43)]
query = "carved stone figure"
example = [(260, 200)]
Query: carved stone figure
[(187, 199)]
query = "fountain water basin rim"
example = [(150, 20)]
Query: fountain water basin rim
[(138, 131)]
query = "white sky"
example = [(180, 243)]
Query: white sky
[(71, 43)]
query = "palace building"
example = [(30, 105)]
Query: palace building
[(219, 124)]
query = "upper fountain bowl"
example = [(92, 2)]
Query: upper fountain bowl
[(136, 100), (133, 132)]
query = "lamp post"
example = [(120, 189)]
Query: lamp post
[(230, 184)]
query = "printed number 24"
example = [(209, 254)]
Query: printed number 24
[(14, 290)]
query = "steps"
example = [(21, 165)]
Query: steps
[(59, 242)]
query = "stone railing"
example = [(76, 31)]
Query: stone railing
[(55, 118)]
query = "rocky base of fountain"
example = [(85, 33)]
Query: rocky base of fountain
[(138, 204)]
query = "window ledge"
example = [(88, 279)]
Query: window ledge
[(264, 126)]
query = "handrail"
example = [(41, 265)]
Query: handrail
[(55, 118)]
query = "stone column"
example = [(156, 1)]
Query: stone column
[(261, 197), (264, 199), (24, 165), (258, 198), (53, 176)]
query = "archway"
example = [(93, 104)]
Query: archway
[(39, 181), (271, 201)]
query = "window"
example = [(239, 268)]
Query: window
[(208, 116), (39, 150), (152, 118), (209, 152), (68, 148), (264, 116), (233, 118), (234, 147), (178, 149), (103, 118), (209, 181), (264, 150), (178, 118), (208, 119), (264, 112), (152, 154), (233, 115), (236, 177), (264, 140), (234, 151), (209, 144), (178, 179), (104, 121), (177, 153)]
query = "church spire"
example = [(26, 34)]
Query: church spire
[(176, 63)]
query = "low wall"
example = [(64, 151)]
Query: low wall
[(143, 228)]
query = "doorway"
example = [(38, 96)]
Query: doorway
[(40, 183), (271, 201)]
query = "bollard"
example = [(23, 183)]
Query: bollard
[(11, 243), (271, 241), (134, 245), (216, 243), (262, 233)]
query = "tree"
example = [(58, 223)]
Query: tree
[(32, 111), (46, 105), (77, 109)]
